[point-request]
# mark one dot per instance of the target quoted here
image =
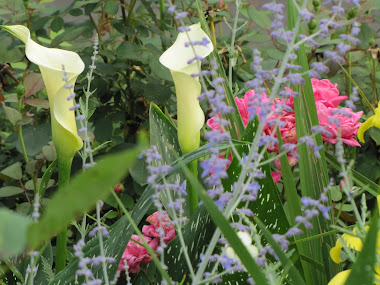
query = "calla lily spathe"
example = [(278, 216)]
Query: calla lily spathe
[(50, 61), (189, 113), (373, 121)]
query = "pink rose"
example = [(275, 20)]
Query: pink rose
[(349, 124), (135, 254), (325, 92), (156, 224)]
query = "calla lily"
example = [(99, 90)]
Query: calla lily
[(50, 61), (190, 116), (355, 243), (373, 121)]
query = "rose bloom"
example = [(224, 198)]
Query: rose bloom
[(135, 254)]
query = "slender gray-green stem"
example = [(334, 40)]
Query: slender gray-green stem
[(232, 46), (101, 245)]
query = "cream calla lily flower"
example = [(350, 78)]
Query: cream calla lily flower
[(189, 113), (50, 61)]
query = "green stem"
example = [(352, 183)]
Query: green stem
[(64, 168), (349, 70), (21, 138), (374, 80), (232, 46), (162, 9), (192, 195)]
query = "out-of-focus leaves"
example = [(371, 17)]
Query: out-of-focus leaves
[(38, 102), (111, 7), (14, 171), (13, 228), (13, 115), (157, 93), (33, 83), (8, 191)]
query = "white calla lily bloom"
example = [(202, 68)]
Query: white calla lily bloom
[(190, 116), (50, 61)]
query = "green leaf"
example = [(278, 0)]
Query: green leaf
[(13, 237), (57, 24), (111, 7), (130, 50), (197, 233), (35, 139), (363, 270), (8, 191), (33, 83), (14, 171), (163, 135), (157, 93), (259, 17), (13, 115), (286, 262), (82, 194), (38, 102), (159, 70), (46, 178)]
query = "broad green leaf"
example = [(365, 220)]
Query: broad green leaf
[(13, 115), (111, 7), (82, 194), (121, 231), (364, 268), (259, 17), (14, 171), (286, 262), (157, 93), (33, 83), (158, 69), (130, 50), (13, 227), (163, 135), (197, 234), (57, 24), (8, 191)]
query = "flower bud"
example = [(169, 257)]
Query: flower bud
[(20, 90), (352, 13), (119, 188), (312, 25), (317, 5)]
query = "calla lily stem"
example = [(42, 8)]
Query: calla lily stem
[(64, 168), (192, 195)]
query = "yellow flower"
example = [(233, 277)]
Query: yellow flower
[(354, 243), (371, 121), (190, 117), (247, 241), (50, 61)]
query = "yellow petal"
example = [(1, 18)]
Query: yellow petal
[(340, 278), (189, 113), (335, 252), (50, 62), (371, 121), (364, 127), (352, 242)]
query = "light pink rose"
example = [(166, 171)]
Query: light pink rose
[(135, 254), (325, 92), (349, 125), (156, 224)]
